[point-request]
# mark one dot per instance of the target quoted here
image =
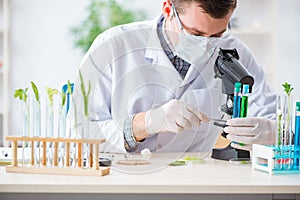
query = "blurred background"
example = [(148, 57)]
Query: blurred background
[(44, 41)]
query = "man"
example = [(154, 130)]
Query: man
[(153, 84)]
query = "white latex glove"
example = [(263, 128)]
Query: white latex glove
[(247, 131), (174, 116)]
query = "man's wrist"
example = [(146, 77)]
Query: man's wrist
[(138, 126), (130, 139)]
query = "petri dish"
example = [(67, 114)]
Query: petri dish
[(240, 161)]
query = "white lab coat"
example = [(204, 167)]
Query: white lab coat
[(130, 73)]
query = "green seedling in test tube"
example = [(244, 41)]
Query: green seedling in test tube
[(51, 92), (22, 95), (36, 125), (62, 114), (63, 99), (69, 91), (36, 109), (287, 132), (85, 94), (85, 124), (36, 92), (288, 90), (279, 131)]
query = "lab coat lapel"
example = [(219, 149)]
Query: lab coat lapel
[(156, 56), (190, 76), (205, 70)]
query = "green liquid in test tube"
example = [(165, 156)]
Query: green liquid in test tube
[(244, 101)]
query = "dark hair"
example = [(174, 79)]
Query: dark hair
[(215, 8)]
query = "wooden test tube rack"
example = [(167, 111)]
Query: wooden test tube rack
[(93, 170)]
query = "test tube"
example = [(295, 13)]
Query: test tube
[(279, 132), (36, 128), (62, 134), (287, 132), (237, 100), (244, 101), (49, 131), (86, 146), (25, 129), (297, 137)]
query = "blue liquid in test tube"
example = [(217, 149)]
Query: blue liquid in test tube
[(237, 100), (297, 137)]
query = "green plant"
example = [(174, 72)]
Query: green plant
[(69, 91), (85, 95), (36, 92), (63, 96), (288, 90), (102, 15), (51, 92), (279, 130), (21, 94)]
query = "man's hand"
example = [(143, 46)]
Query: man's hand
[(247, 131), (174, 116)]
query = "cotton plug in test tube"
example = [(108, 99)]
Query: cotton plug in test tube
[(237, 100), (297, 136)]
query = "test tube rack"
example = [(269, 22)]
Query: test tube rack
[(78, 170), (275, 160)]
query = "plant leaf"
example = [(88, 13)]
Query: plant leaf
[(36, 92), (84, 94), (63, 99), (287, 88), (69, 90), (51, 92), (21, 94)]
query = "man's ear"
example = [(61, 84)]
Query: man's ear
[(167, 9)]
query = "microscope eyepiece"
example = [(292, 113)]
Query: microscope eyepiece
[(230, 70)]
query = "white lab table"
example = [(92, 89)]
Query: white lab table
[(212, 179)]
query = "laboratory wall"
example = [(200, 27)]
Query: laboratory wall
[(42, 50), (288, 49)]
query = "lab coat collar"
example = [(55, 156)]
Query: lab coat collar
[(153, 43), (154, 50)]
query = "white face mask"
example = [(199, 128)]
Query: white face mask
[(191, 48), (194, 50)]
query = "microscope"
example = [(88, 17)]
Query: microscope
[(230, 70)]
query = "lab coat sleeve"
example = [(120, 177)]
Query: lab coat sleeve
[(111, 129)]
